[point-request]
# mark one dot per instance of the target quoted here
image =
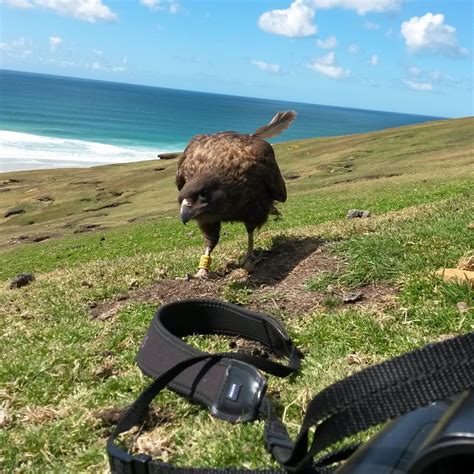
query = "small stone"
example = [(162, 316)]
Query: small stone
[(353, 213), (462, 307), (352, 297), (22, 279)]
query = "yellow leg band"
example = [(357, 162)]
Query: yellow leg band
[(205, 262)]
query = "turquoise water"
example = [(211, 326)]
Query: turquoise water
[(49, 121)]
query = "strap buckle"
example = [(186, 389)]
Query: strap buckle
[(124, 463)]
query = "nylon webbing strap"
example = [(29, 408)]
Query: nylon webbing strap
[(367, 398), (383, 392)]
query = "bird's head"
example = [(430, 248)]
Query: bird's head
[(200, 196)]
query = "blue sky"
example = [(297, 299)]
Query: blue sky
[(395, 55)]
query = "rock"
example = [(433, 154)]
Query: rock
[(22, 279), (169, 156), (13, 211), (352, 213), (352, 297)]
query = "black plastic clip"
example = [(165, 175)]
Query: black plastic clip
[(241, 393), (123, 462)]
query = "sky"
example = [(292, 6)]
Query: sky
[(393, 55)]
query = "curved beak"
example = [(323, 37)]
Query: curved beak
[(187, 211)]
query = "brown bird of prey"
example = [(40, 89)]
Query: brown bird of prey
[(230, 176)]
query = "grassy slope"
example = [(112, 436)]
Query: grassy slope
[(417, 182)]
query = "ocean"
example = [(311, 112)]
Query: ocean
[(50, 121)]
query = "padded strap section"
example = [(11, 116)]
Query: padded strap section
[(205, 381)]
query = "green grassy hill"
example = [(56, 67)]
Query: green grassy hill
[(106, 246)]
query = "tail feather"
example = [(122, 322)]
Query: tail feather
[(280, 122)]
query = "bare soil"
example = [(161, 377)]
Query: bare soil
[(278, 283)]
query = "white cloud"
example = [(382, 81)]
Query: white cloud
[(54, 42), (170, 6), (85, 10), (418, 86), (360, 6), (297, 20), (20, 48), (371, 26), (327, 66), (329, 43), (353, 48), (374, 60), (267, 67), (430, 33)]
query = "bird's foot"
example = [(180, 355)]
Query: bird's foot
[(251, 261), (202, 274)]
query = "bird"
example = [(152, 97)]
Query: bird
[(230, 177)]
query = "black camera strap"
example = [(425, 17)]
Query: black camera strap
[(367, 398)]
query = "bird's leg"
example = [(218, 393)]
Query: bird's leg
[(204, 264), (250, 255), (250, 259), (211, 233)]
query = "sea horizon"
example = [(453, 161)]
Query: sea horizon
[(50, 121)]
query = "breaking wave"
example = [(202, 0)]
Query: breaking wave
[(22, 151)]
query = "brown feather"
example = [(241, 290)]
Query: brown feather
[(281, 121)]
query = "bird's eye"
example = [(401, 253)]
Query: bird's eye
[(204, 195)]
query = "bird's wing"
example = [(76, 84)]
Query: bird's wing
[(180, 172), (186, 162), (274, 181)]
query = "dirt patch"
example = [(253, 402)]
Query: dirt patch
[(159, 293), (87, 228), (29, 238), (14, 211), (278, 284), (105, 206), (291, 295), (93, 182)]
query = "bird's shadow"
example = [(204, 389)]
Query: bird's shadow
[(275, 264)]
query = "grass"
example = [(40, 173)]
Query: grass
[(61, 367)]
